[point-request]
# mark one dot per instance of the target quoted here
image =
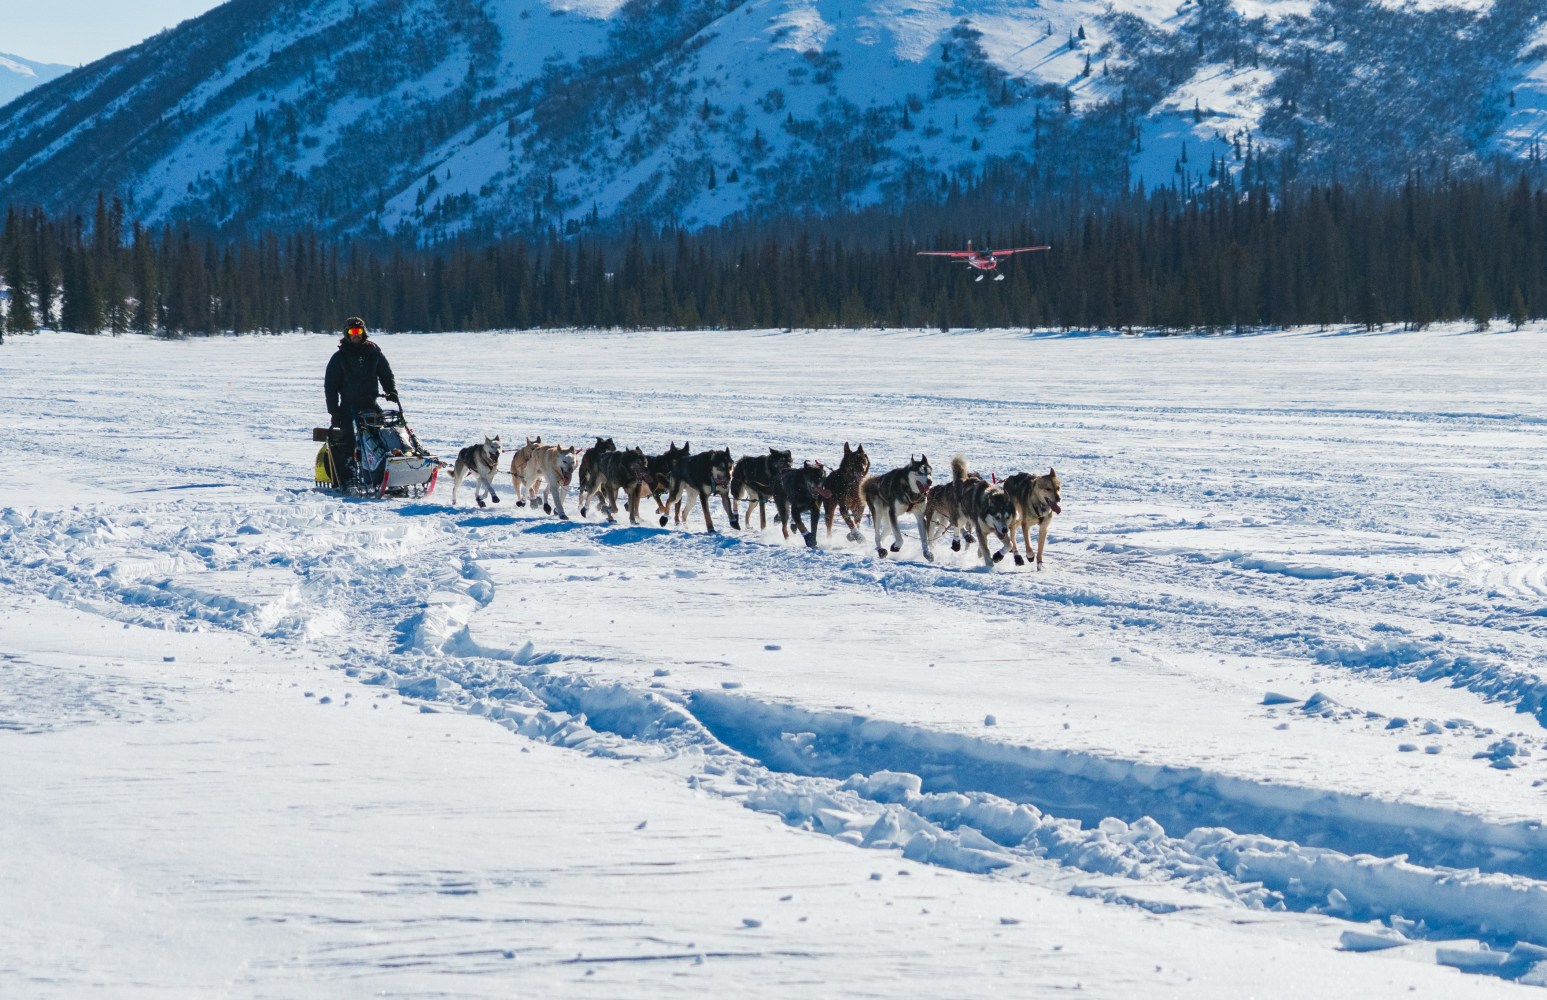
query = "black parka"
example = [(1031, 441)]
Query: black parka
[(353, 374)]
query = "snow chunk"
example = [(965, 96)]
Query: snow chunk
[(1376, 938)]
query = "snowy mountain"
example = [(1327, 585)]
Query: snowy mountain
[(431, 117), (18, 75)]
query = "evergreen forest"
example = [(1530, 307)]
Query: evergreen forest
[(1226, 258)]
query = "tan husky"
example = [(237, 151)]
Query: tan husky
[(525, 477), (554, 468), (1036, 500)]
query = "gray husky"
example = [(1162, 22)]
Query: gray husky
[(613, 471), (481, 460), (588, 462), (968, 506), (801, 491)]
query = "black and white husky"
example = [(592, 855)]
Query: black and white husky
[(696, 479), (753, 478), (892, 494), (481, 460), (662, 471)]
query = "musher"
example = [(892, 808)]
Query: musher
[(355, 371)]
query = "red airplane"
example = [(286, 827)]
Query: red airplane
[(978, 259)]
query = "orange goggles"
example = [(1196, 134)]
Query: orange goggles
[(355, 331)]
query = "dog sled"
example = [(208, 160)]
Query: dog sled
[(387, 460)]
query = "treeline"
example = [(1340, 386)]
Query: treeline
[(1223, 258)]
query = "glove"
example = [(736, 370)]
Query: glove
[(391, 397)]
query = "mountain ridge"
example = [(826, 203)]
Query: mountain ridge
[(426, 119), (19, 75)]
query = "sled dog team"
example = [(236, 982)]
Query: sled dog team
[(967, 506)]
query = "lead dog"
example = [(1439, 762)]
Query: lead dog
[(801, 490), (697, 478), (555, 467), (1036, 499), (481, 460), (891, 494), (524, 475), (753, 478), (842, 485)]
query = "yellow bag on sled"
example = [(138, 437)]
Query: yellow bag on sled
[(325, 473)]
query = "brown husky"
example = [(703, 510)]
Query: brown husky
[(944, 508), (842, 485), (1036, 499)]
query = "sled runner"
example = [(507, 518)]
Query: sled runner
[(387, 460)]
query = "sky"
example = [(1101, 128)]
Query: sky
[(74, 32)]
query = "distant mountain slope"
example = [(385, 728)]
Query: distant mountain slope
[(429, 117), (18, 75)]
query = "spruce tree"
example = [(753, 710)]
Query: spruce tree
[(1482, 304), (13, 262)]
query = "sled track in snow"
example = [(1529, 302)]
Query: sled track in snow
[(1091, 788)]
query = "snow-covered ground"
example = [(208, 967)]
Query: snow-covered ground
[(1269, 723)]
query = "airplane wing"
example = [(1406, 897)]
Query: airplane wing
[(1006, 253), (947, 253)]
